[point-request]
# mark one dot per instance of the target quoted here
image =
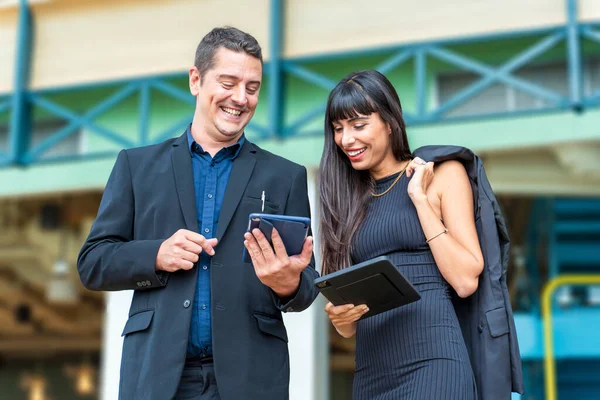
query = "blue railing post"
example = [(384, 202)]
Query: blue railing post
[(276, 93), (574, 56), (20, 121)]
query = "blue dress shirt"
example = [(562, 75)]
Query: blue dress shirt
[(210, 180)]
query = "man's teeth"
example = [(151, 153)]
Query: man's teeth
[(231, 111), (357, 152)]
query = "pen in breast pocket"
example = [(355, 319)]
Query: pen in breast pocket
[(262, 198)]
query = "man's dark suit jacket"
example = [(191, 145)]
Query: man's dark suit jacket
[(486, 317), (148, 197)]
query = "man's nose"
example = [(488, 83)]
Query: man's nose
[(239, 96)]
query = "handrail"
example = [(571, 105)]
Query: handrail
[(549, 360)]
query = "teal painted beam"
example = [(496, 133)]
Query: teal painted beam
[(144, 113), (574, 56), (276, 81), (20, 121)]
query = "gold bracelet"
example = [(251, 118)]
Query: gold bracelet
[(439, 234)]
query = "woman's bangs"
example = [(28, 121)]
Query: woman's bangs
[(348, 102)]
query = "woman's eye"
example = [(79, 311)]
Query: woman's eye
[(359, 126), (338, 129)]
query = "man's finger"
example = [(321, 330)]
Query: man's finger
[(254, 250), (192, 247), (263, 243), (186, 265), (307, 249), (189, 256), (278, 245)]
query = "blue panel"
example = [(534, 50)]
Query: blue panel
[(575, 334), (578, 253)]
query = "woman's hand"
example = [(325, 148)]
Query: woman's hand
[(344, 317), (422, 175)]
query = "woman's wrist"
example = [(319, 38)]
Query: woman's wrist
[(418, 198)]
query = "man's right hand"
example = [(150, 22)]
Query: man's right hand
[(182, 250)]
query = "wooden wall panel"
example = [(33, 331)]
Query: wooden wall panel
[(87, 41), (317, 26)]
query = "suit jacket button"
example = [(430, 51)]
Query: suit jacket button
[(186, 303), (139, 284), (148, 283)]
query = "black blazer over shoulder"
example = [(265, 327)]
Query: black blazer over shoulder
[(148, 197), (486, 317)]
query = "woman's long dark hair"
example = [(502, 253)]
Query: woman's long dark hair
[(344, 191)]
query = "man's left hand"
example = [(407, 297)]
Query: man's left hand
[(273, 266)]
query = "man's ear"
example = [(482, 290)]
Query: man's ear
[(194, 81)]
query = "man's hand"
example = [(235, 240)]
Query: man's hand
[(182, 250), (275, 268)]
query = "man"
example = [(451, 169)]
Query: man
[(171, 225)]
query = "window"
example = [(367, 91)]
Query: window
[(73, 144), (503, 98)]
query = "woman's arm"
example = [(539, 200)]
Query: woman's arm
[(457, 253)]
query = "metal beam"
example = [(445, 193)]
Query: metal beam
[(574, 56), (502, 74), (276, 93), (20, 122), (144, 113)]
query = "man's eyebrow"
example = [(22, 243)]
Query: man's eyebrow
[(235, 78), (225, 76)]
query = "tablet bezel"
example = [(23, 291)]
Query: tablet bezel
[(329, 285)]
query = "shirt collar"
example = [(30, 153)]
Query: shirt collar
[(233, 149)]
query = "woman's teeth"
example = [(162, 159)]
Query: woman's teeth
[(357, 152)]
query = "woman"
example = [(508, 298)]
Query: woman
[(377, 200)]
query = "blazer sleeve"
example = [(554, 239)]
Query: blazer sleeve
[(298, 204), (110, 258)]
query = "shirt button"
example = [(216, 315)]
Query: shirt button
[(206, 230), (186, 303), (209, 196), (204, 267), (203, 307)]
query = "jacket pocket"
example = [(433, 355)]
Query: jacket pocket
[(138, 322), (497, 322), (271, 326)]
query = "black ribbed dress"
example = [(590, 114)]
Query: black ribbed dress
[(417, 351)]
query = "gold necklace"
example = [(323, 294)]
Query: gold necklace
[(393, 183)]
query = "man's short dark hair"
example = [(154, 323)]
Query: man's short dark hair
[(229, 38)]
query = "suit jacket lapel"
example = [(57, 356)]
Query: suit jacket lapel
[(184, 181), (241, 172)]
